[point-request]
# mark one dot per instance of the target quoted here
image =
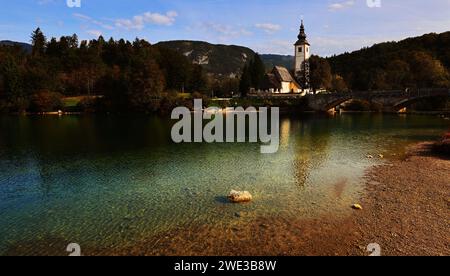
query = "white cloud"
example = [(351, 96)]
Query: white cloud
[(94, 33), (92, 21), (280, 47), (138, 22), (327, 46), (224, 31), (45, 2), (341, 5), (82, 16), (268, 27)]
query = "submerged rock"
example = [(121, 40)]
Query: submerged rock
[(239, 196)]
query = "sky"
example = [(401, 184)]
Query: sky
[(268, 27)]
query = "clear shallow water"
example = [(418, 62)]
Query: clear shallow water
[(109, 181)]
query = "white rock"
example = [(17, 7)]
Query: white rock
[(239, 196)]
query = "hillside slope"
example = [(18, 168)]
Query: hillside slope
[(411, 62), (277, 60), (222, 60), (25, 46)]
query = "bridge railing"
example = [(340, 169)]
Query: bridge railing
[(429, 93), (408, 93)]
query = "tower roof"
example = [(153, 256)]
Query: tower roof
[(302, 36)]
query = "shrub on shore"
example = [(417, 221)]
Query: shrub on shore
[(46, 101), (88, 105)]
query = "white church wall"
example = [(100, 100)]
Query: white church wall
[(285, 87)]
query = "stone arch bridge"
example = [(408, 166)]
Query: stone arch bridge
[(392, 101)]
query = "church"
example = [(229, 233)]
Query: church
[(281, 81)]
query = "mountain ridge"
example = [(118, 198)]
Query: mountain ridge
[(25, 46), (216, 59)]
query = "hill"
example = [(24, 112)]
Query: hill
[(222, 60), (414, 62), (277, 60), (25, 46)]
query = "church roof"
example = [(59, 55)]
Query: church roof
[(278, 75), (283, 74), (302, 36)]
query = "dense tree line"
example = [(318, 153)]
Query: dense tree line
[(128, 75), (321, 76), (421, 62)]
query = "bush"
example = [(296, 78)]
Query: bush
[(170, 101), (88, 104), (46, 101), (205, 99)]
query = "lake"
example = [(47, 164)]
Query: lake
[(115, 181)]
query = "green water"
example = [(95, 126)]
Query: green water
[(112, 181)]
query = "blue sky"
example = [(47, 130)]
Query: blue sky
[(333, 26)]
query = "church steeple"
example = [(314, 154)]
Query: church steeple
[(302, 36), (302, 56)]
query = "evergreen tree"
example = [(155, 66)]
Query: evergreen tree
[(246, 81), (198, 82), (177, 69), (13, 84), (147, 84), (258, 71), (38, 41)]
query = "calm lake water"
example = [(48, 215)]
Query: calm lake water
[(111, 181)]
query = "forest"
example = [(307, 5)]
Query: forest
[(420, 62), (113, 75)]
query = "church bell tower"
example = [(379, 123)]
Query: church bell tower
[(302, 55)]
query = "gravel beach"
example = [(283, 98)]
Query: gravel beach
[(406, 211)]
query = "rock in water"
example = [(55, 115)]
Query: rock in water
[(239, 196)]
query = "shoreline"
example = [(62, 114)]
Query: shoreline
[(405, 210), (284, 111), (407, 204)]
